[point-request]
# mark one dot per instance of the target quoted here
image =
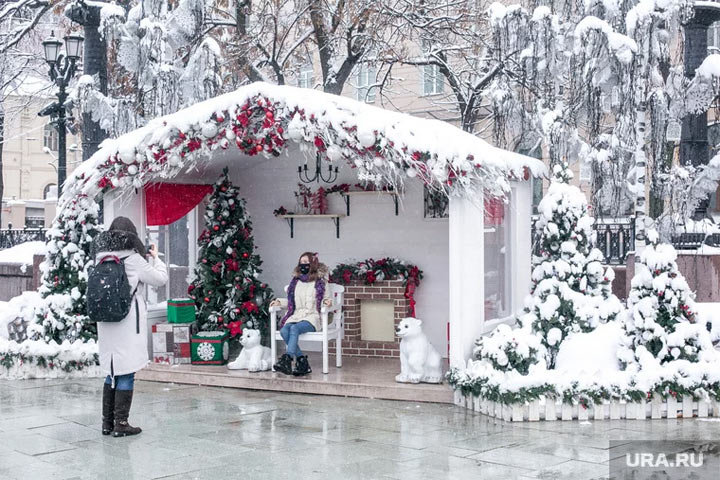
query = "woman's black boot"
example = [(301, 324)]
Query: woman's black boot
[(108, 409), (284, 365), (123, 402), (302, 366)]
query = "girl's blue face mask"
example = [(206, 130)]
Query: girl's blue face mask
[(304, 268)]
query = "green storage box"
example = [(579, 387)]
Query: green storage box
[(210, 348), (181, 310)]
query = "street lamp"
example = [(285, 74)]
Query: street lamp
[(62, 70)]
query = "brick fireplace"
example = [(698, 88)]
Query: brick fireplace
[(386, 300)]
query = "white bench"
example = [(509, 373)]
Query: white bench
[(333, 331)]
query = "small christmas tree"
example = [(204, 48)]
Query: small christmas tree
[(571, 290), (226, 288), (660, 316), (319, 201), (63, 315)]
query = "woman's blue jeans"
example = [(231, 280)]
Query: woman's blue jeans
[(290, 333), (122, 382)]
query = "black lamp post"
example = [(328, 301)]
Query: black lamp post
[(62, 69)]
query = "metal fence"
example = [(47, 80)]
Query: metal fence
[(614, 238), (15, 236), (692, 241)]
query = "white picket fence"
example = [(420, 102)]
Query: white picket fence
[(551, 409)]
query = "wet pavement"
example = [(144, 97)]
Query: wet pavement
[(50, 429)]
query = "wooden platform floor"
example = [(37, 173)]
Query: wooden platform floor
[(358, 377)]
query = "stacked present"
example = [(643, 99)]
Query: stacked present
[(171, 340), (210, 348), (180, 310)]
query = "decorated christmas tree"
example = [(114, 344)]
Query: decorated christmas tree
[(571, 291), (660, 316), (226, 288), (62, 315)]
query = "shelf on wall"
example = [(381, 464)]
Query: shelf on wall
[(346, 196), (290, 219)]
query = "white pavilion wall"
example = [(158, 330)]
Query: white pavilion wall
[(371, 231)]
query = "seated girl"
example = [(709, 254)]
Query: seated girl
[(306, 295)]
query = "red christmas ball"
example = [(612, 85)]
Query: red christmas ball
[(245, 255), (207, 300), (259, 148), (216, 228), (220, 118), (280, 130), (237, 310), (223, 188), (220, 319), (204, 260)]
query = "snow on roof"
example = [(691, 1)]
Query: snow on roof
[(390, 144)]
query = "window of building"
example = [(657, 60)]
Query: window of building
[(50, 191), (366, 79), (433, 82), (713, 38), (50, 137), (305, 76)]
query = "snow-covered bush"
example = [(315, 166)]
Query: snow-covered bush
[(508, 349), (661, 310), (571, 289)]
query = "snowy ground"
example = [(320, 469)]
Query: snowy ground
[(50, 429)]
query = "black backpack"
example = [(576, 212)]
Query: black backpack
[(108, 291)]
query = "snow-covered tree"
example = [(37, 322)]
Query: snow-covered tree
[(160, 59), (661, 310), (571, 290), (18, 60), (63, 315), (594, 81)]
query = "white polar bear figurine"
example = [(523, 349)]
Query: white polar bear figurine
[(419, 361), (253, 356)]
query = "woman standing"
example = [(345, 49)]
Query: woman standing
[(306, 295), (123, 345)]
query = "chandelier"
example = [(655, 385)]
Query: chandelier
[(318, 175)]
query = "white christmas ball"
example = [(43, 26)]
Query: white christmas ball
[(209, 130), (675, 352), (411, 172), (334, 153), (132, 170), (174, 160), (366, 137), (229, 250), (379, 162), (127, 154), (229, 134)]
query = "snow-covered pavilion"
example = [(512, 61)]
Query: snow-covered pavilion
[(476, 262)]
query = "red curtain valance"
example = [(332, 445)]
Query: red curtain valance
[(166, 203)]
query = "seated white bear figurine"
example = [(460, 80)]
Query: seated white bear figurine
[(419, 361), (253, 356)]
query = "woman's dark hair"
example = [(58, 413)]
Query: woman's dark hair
[(123, 224), (314, 265), (124, 227)]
